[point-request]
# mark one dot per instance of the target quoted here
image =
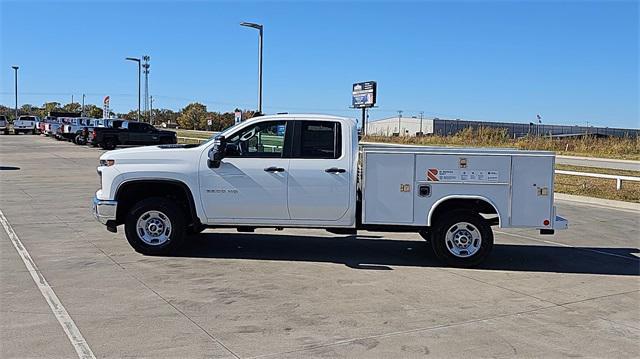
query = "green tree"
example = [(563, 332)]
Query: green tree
[(193, 116), (131, 115), (72, 107), (28, 109), (48, 107), (162, 115), (93, 111)]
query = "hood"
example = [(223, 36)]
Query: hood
[(153, 154)]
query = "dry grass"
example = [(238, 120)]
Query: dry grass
[(620, 148), (598, 187)]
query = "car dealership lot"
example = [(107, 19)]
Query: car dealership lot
[(300, 293)]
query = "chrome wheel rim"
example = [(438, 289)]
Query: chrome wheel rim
[(154, 228), (463, 239)]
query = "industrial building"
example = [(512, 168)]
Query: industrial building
[(412, 126)]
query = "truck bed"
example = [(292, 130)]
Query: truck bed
[(401, 184)]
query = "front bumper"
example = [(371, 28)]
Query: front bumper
[(105, 210)]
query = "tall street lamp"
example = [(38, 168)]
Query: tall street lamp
[(138, 61), (15, 71), (260, 28)]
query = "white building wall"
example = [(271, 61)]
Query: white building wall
[(408, 126)]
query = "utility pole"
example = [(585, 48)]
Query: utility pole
[(421, 114), (15, 71), (72, 100), (399, 122), (82, 112), (139, 66), (151, 110), (146, 66)]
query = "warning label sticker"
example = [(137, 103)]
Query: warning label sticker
[(434, 174)]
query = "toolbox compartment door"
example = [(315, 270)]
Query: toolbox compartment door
[(387, 193), (532, 191)]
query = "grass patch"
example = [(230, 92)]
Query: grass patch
[(614, 147), (598, 187), (194, 133)]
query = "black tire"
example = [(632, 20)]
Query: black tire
[(445, 248), (16, 132), (171, 211), (108, 144), (33, 132), (196, 229)]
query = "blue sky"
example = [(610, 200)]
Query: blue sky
[(571, 62)]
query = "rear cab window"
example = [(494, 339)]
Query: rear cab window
[(318, 139)]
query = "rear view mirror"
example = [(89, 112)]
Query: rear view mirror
[(217, 152)]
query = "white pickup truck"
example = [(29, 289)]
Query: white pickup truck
[(25, 124), (309, 171)]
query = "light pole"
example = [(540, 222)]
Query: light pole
[(138, 61), (421, 114), (399, 121), (82, 111), (15, 71), (260, 28)]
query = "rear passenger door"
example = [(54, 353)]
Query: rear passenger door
[(319, 172)]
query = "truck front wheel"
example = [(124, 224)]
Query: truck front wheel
[(155, 226), (462, 238)]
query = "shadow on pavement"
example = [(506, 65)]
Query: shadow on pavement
[(379, 254)]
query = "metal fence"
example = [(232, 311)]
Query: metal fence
[(449, 127)]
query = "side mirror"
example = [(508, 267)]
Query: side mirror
[(217, 152)]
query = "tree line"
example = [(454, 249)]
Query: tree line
[(194, 116)]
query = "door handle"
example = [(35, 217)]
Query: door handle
[(335, 170), (274, 169)]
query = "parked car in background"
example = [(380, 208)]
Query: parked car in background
[(25, 124), (74, 127), (51, 126), (4, 125), (42, 124), (90, 134), (131, 133), (83, 135)]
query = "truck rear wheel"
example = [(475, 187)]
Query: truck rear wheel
[(155, 226), (462, 238), (108, 144)]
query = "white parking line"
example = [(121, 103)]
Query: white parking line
[(70, 328)]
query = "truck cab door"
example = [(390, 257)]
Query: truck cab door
[(320, 171), (251, 183)]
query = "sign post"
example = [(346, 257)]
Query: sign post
[(105, 107), (363, 95), (237, 116)]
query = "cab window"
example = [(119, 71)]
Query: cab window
[(264, 139), (318, 139)]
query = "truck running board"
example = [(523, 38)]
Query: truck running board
[(346, 231)]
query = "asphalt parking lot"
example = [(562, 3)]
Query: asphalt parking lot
[(301, 293)]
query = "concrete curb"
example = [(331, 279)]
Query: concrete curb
[(598, 202)]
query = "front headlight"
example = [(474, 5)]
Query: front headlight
[(107, 163)]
